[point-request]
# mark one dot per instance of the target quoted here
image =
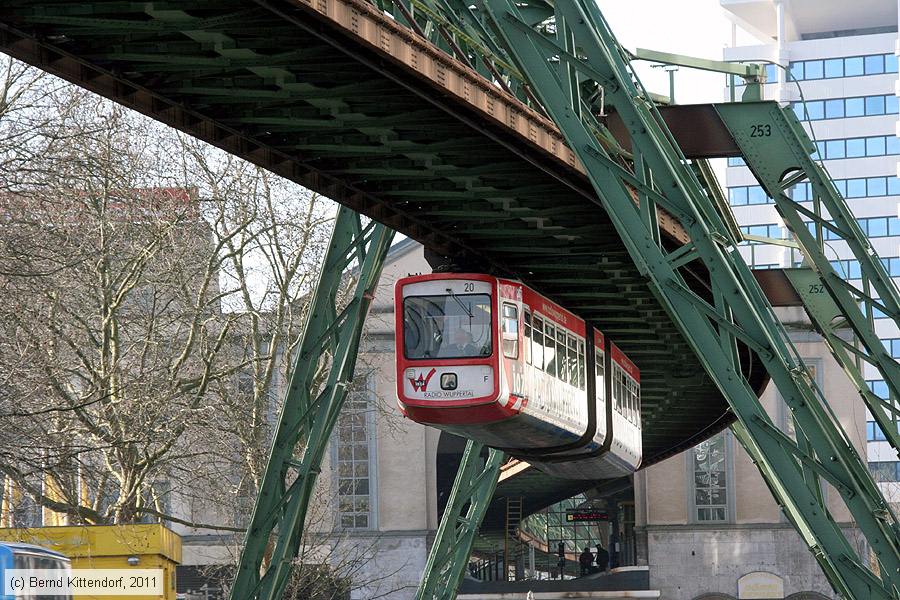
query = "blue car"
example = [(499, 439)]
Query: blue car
[(14, 555)]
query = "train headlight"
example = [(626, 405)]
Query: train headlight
[(448, 381)]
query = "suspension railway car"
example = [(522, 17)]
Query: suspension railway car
[(492, 360)]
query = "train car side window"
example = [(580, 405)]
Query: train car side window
[(582, 366), (626, 397), (599, 367), (562, 360), (618, 391), (630, 400), (537, 345), (527, 342), (510, 330), (573, 360), (615, 389), (634, 402), (636, 393), (637, 400), (550, 357)]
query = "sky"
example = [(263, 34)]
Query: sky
[(692, 27), (696, 28)]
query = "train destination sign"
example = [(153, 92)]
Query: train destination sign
[(585, 515)]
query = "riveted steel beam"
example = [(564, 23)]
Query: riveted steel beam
[(311, 406), (777, 151), (736, 308), (472, 490)]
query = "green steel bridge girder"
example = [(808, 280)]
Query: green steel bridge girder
[(777, 151), (472, 490), (737, 310), (319, 382)]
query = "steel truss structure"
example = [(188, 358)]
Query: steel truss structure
[(230, 88), (320, 379), (564, 56), (473, 487), (780, 159)]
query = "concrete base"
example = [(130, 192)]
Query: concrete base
[(627, 582), (561, 595), (692, 561), (395, 564)]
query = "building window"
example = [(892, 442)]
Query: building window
[(709, 466), (874, 433), (748, 194), (840, 108), (19, 509), (878, 387), (891, 346), (355, 460), (834, 68), (885, 471), (857, 147), (769, 230)]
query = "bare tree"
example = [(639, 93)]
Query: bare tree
[(155, 291)]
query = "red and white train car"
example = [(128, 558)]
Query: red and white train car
[(492, 360)]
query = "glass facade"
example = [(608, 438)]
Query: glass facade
[(843, 148), (835, 68), (857, 187), (845, 108), (858, 147)]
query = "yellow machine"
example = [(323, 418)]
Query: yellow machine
[(110, 547)]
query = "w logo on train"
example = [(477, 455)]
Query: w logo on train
[(420, 384)]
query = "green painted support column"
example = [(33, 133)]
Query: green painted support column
[(777, 151), (733, 311), (322, 372), (475, 483)]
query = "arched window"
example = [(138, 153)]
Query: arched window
[(807, 596)]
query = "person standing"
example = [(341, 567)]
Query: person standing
[(586, 560), (602, 558)]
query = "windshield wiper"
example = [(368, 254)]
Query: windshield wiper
[(460, 302)]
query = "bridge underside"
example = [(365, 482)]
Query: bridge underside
[(288, 88)]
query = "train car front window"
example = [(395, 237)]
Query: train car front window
[(447, 326)]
